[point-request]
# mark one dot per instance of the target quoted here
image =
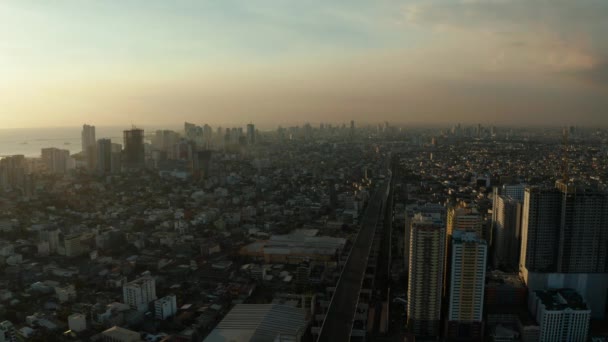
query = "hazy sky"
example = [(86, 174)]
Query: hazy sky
[(154, 62)]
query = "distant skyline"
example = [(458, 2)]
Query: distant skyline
[(157, 63)]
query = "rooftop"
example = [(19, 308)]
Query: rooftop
[(561, 299), (258, 323)]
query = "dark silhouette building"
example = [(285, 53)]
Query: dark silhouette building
[(133, 154)]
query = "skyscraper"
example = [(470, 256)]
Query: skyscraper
[(466, 219), (116, 164), (250, 134), (467, 285), (565, 230), (463, 219), (12, 172), (427, 247), (507, 232), (514, 190), (134, 158), (564, 239), (583, 236), (88, 138), (104, 156), (55, 160)]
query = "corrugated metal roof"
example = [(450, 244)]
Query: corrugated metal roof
[(259, 323)]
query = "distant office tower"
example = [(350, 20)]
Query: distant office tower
[(564, 241), (561, 314), (7, 332), (427, 247), (134, 154), (507, 232), (55, 160), (207, 136), (104, 156), (165, 307), (182, 150), (467, 284), (165, 139), (88, 138), (139, 293), (116, 165), (194, 133), (250, 134), (202, 164), (13, 172)]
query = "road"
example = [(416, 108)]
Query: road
[(341, 312)]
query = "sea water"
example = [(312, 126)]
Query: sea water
[(29, 141)]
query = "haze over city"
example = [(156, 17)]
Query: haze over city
[(117, 63), (303, 171)]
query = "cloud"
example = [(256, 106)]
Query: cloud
[(596, 75), (557, 37)]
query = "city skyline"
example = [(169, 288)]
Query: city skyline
[(430, 62)]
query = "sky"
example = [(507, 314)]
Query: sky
[(157, 62)]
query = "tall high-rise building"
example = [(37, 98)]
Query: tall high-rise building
[(427, 248), (515, 191), (565, 230), (139, 293), (583, 235), (541, 219), (250, 134), (507, 232), (564, 239), (465, 219), (207, 135), (12, 172), (104, 156), (562, 315), (116, 164), (87, 138), (55, 160), (134, 153), (467, 285)]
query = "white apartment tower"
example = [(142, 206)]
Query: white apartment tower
[(139, 293), (561, 314), (165, 307)]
